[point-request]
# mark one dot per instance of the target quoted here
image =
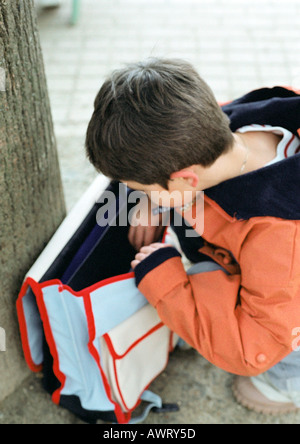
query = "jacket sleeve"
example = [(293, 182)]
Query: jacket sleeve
[(241, 323)]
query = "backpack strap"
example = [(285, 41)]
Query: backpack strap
[(155, 404), (153, 400)]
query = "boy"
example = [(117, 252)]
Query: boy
[(157, 126)]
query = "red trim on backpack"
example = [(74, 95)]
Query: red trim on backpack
[(50, 339), (122, 418), (111, 347), (163, 241), (37, 288), (23, 330), (288, 145), (116, 356), (85, 294), (87, 290)]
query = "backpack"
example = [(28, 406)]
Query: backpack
[(84, 322)]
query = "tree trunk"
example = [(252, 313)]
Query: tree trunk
[(31, 198)]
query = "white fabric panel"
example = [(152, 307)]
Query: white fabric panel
[(135, 354)]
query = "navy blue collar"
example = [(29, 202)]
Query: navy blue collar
[(273, 190)]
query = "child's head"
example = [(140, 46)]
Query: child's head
[(155, 118)]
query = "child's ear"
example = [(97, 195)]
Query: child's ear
[(188, 175)]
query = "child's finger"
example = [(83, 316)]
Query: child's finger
[(134, 264), (159, 245), (140, 256), (147, 249), (156, 245)]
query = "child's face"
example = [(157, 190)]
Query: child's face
[(178, 194), (184, 185)]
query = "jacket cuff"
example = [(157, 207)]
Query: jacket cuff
[(154, 260)]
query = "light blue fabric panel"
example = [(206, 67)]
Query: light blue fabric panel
[(114, 303), (286, 374), (34, 326), (205, 267), (69, 328)]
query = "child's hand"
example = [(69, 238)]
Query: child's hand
[(139, 236), (145, 252), (145, 227)]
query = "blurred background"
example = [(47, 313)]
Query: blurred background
[(236, 45)]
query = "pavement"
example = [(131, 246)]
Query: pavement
[(237, 46)]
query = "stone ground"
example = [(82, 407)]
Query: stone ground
[(237, 46)]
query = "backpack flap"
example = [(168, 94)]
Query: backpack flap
[(133, 354)]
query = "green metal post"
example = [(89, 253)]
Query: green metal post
[(75, 12)]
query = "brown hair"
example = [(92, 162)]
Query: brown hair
[(154, 118)]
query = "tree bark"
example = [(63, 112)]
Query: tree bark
[(31, 198)]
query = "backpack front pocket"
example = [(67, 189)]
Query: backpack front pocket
[(133, 354)]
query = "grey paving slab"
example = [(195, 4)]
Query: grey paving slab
[(236, 46)]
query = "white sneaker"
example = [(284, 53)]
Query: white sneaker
[(249, 396)]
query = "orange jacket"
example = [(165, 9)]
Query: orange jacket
[(243, 321)]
